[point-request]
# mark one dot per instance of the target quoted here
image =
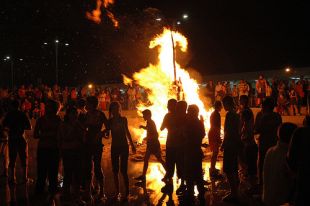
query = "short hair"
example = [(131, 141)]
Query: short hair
[(285, 131), (181, 106), (113, 105), (52, 106), (147, 112), (92, 100), (268, 104), (172, 103), (217, 104), (229, 101), (246, 115), (244, 99), (69, 111)]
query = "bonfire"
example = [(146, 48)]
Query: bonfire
[(165, 80)]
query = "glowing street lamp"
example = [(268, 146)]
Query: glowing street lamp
[(287, 70), (185, 16)]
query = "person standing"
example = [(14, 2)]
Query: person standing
[(278, 179), (70, 137), (17, 122), (169, 123), (193, 154), (261, 87), (4, 148), (118, 125), (92, 122), (249, 150), (45, 131), (231, 147), (266, 126), (298, 158), (214, 136)]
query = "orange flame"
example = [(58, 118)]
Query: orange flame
[(95, 15), (159, 80)]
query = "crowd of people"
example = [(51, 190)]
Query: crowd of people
[(274, 165), (289, 95), (33, 99)]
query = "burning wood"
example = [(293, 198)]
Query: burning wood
[(166, 79)]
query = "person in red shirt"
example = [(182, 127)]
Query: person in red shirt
[(300, 94)]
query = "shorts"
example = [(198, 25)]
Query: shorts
[(230, 160), (154, 148)]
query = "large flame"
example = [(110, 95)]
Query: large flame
[(159, 79), (95, 15)]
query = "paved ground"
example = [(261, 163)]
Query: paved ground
[(148, 194)]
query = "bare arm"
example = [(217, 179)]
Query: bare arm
[(129, 137)]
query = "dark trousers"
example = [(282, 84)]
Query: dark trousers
[(93, 155), (175, 157), (47, 167), (18, 147), (260, 162), (171, 159), (72, 167)]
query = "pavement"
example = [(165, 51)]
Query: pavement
[(141, 194)]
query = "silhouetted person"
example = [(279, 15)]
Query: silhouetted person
[(93, 147), (266, 125), (231, 146), (70, 135), (48, 148), (119, 147), (249, 151), (278, 179), (299, 161), (17, 122), (195, 132), (214, 136), (180, 142), (169, 123), (152, 143), (4, 147)]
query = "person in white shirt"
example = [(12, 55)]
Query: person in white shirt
[(278, 180)]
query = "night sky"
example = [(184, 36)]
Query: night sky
[(224, 36)]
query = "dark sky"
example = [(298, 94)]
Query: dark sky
[(224, 37)]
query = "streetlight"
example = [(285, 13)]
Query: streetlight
[(57, 43), (287, 70), (11, 59), (56, 61), (185, 16)]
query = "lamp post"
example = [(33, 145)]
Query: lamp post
[(57, 43), (8, 58), (56, 61)]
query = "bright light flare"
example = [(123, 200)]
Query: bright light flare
[(287, 70), (185, 16)]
